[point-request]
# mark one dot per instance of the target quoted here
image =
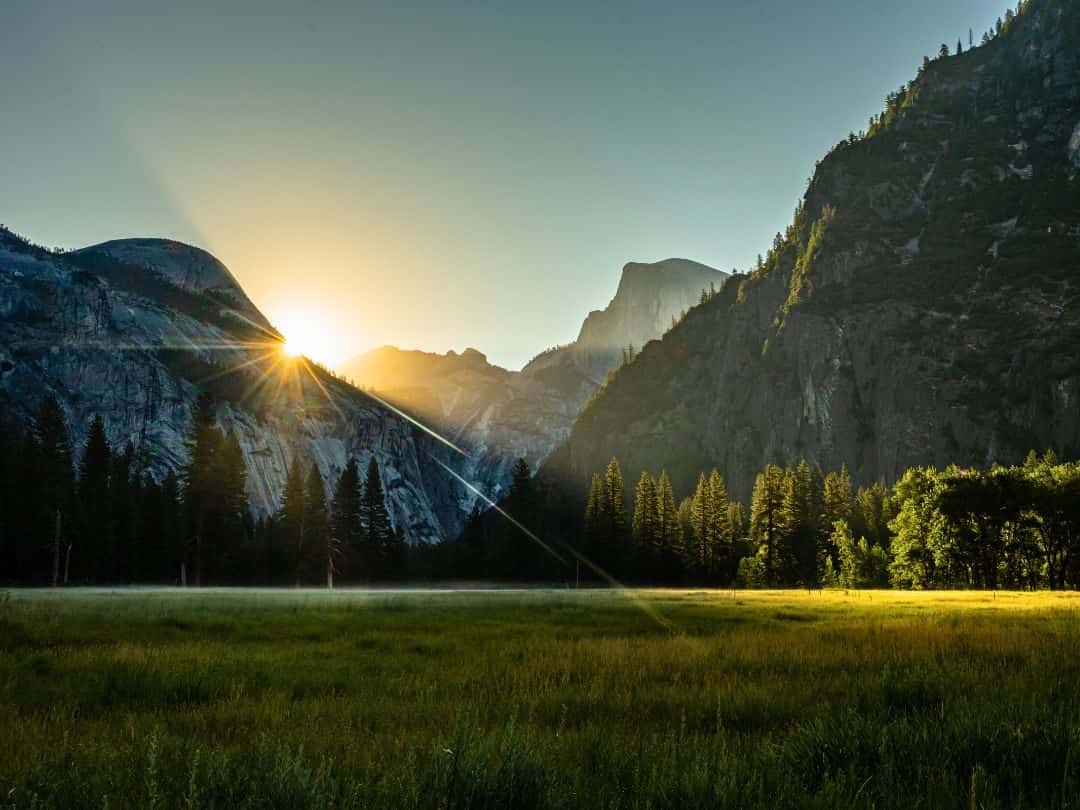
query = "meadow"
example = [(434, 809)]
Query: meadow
[(537, 699)]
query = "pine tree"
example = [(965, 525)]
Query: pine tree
[(123, 488), (171, 528), (848, 552), (736, 520), (837, 505), (802, 513), (767, 522), (96, 536), (204, 442), (378, 532), (872, 513), (668, 529), (345, 518), (646, 518), (613, 519), (293, 516), (229, 501), (594, 515), (317, 523), (520, 483), (524, 559), (721, 551), (57, 477), (701, 520)]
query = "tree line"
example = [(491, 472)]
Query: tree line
[(1004, 527), (95, 515)]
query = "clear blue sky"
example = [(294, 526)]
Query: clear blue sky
[(441, 174)]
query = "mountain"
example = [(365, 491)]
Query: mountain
[(500, 415), (133, 329), (189, 268), (922, 308), (648, 301)]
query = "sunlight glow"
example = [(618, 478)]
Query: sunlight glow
[(308, 336)]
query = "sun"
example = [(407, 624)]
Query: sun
[(308, 336)]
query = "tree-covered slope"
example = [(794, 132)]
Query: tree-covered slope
[(921, 308)]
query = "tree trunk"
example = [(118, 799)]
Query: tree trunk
[(67, 564), (183, 574), (329, 574)]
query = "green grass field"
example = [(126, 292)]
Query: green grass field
[(539, 699)]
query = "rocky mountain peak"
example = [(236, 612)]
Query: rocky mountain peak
[(188, 267)]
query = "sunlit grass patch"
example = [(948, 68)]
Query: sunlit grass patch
[(545, 699)]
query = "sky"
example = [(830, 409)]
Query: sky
[(440, 175)]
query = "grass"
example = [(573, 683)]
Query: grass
[(539, 699)]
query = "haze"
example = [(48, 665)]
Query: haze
[(443, 175)]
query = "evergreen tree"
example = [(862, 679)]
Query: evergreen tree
[(345, 517), (293, 517), (837, 497), (610, 555), (801, 521), (95, 535), (594, 517), (317, 529), (378, 532), (57, 479), (872, 513), (836, 505), (668, 529), (701, 519), (32, 520), (526, 560), (204, 441), (645, 511), (848, 553), (123, 488), (230, 503), (721, 534), (172, 532), (470, 559), (767, 522)]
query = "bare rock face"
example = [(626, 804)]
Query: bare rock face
[(189, 268), (648, 301), (923, 307), (135, 341), (500, 415)]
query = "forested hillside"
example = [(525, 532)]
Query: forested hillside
[(921, 308)]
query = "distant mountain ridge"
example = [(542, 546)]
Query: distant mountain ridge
[(500, 415)]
